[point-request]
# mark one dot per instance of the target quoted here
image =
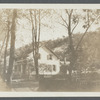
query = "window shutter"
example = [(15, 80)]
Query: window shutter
[(54, 68), (47, 57)]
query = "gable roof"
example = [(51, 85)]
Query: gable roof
[(43, 45), (29, 49), (51, 51)]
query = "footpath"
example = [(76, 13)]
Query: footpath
[(3, 86)]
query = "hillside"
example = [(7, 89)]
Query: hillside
[(60, 45), (88, 53)]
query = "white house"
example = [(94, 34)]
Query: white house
[(49, 63)]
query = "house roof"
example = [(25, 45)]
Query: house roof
[(29, 50), (43, 45), (51, 51)]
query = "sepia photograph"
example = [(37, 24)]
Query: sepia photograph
[(50, 48)]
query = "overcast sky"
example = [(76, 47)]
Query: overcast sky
[(54, 31)]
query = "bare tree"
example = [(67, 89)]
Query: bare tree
[(12, 46), (35, 22), (5, 52), (70, 21)]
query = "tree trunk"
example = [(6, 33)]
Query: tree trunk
[(36, 66), (5, 53), (24, 67), (72, 58), (35, 39), (72, 51), (12, 46)]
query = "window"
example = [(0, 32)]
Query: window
[(54, 68), (15, 68), (49, 57)]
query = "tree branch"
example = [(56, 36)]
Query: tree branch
[(85, 33), (71, 12), (75, 26), (64, 20), (63, 25), (67, 11)]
